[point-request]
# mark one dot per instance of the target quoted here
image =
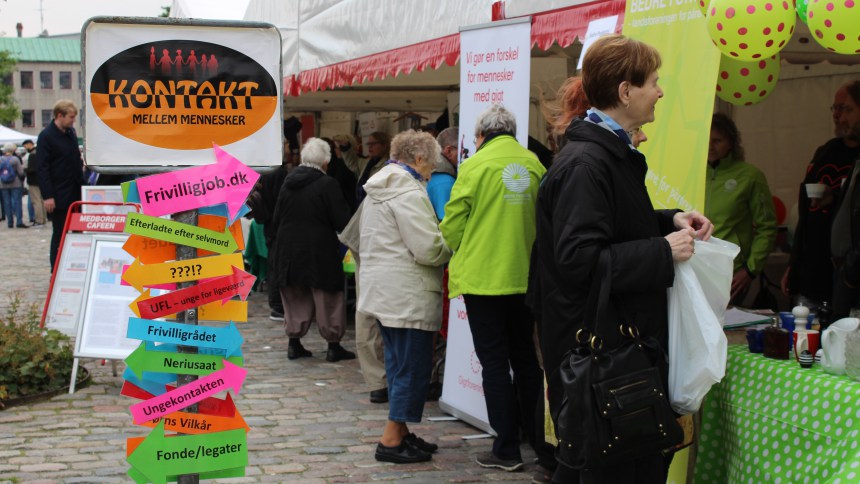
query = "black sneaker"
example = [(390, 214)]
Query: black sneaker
[(337, 353), (401, 454), (299, 351), (490, 461), (379, 396), (276, 315), (420, 444)]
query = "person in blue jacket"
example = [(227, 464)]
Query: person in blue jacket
[(444, 173)]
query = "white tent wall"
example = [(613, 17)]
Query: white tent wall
[(283, 14)]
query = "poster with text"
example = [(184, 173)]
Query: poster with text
[(495, 63), (104, 322), (161, 94), (677, 146)]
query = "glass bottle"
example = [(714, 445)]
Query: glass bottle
[(776, 341), (825, 314)]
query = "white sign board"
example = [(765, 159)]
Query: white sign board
[(160, 93), (495, 68), (64, 308), (462, 388), (596, 29), (103, 327)]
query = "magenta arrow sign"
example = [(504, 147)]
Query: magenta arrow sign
[(227, 180), (231, 376)]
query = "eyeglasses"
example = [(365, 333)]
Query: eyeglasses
[(841, 108)]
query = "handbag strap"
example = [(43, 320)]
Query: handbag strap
[(597, 304)]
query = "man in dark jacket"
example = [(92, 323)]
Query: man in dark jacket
[(845, 233), (809, 275), (61, 168)]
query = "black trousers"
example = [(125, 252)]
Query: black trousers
[(502, 329), (58, 222)]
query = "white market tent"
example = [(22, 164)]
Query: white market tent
[(8, 135), (378, 55)]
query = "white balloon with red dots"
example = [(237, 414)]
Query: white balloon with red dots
[(746, 83), (835, 24), (749, 30)]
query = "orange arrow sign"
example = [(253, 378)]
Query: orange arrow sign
[(195, 423)]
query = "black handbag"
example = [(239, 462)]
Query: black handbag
[(615, 406)]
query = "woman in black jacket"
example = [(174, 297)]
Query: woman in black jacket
[(309, 212), (593, 199)]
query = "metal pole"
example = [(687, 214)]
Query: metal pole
[(184, 252)]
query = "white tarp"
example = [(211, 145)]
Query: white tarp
[(8, 135)]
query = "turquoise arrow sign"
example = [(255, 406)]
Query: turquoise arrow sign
[(159, 457), (226, 338), (141, 360)]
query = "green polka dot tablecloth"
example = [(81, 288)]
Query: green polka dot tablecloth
[(772, 421)]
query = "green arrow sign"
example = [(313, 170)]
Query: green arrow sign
[(141, 360), (180, 233), (159, 457)]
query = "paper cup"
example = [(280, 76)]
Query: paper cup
[(815, 190)]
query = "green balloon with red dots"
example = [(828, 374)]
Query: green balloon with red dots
[(835, 24), (746, 83), (749, 30)]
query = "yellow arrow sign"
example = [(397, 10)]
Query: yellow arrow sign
[(236, 311), (139, 275)]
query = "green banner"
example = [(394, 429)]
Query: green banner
[(180, 233), (677, 146)]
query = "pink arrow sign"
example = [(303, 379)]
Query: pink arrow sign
[(218, 289), (231, 376), (227, 180)]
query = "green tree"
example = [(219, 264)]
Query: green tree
[(8, 109), (165, 11)]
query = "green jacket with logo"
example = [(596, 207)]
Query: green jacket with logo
[(739, 203), (490, 219)]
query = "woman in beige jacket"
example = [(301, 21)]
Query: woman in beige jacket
[(402, 253)]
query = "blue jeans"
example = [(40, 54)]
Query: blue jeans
[(12, 201), (503, 332), (30, 211), (408, 363)]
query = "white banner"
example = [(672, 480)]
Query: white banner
[(462, 390), (161, 94), (495, 63)]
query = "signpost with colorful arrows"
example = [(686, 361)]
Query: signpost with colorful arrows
[(210, 434)]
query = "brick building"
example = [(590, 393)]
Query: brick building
[(48, 69)]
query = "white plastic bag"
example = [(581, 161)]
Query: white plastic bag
[(697, 305)]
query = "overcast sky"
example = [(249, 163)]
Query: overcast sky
[(67, 16)]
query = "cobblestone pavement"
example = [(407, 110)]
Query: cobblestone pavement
[(310, 420)]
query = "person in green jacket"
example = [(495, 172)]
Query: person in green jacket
[(490, 224), (739, 203)]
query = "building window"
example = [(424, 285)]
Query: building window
[(27, 120), (47, 117), (26, 79), (11, 124), (46, 80), (7, 79), (65, 80)]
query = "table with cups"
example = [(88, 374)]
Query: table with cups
[(772, 421)]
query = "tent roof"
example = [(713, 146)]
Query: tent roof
[(8, 135)]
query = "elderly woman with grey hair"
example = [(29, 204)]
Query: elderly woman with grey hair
[(308, 214), (11, 185), (402, 253)]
